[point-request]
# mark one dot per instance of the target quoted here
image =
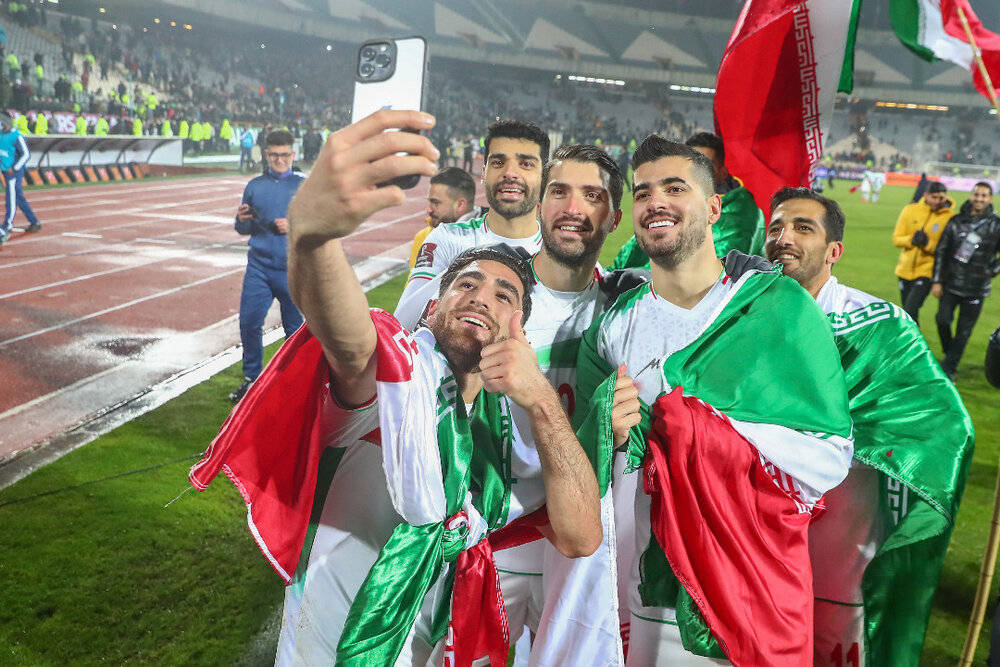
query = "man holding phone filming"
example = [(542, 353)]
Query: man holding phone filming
[(377, 464), (263, 215)]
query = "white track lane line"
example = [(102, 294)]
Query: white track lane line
[(127, 304), (72, 193)]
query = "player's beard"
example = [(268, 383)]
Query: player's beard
[(577, 255), (462, 350), (671, 253), (807, 266), (511, 210)]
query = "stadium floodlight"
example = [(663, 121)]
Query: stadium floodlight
[(102, 10), (593, 79), (329, 47), (156, 20), (187, 26)]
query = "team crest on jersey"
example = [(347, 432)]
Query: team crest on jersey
[(426, 256)]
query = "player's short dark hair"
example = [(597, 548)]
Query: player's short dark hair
[(518, 129), (458, 180), (707, 140), (984, 184), (280, 138), (593, 155), (938, 186), (655, 147), (494, 253), (833, 216)]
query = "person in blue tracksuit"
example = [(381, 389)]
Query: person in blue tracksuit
[(13, 160), (263, 215)]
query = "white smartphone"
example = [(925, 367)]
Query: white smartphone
[(390, 74)]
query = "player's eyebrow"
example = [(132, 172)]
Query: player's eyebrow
[(507, 285), (669, 180), (587, 186)]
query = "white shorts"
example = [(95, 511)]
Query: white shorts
[(523, 599)]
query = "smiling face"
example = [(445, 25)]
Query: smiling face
[(796, 238), (981, 197), (672, 213), (474, 311), (280, 158), (576, 213), (513, 176)]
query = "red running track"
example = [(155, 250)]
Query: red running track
[(128, 284)]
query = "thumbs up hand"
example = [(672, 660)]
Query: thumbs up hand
[(625, 411), (510, 367)]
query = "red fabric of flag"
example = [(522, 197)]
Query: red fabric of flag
[(736, 541), (988, 42), (758, 101)]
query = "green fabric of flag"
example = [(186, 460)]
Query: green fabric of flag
[(910, 424), (905, 17), (740, 227), (719, 367), (846, 84), (475, 454)]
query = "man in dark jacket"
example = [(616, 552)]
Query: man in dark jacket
[(264, 216), (965, 262)]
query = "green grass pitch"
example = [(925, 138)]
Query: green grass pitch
[(98, 570)]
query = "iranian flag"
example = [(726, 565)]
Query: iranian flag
[(781, 69), (933, 30)]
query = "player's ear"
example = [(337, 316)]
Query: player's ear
[(616, 219), (432, 307), (834, 251)]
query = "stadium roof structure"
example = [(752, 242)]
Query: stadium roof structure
[(631, 41)]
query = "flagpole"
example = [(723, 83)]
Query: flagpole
[(985, 579), (979, 60)]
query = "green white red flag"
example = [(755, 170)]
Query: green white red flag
[(933, 30), (780, 72)]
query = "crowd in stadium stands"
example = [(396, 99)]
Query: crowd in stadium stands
[(151, 79)]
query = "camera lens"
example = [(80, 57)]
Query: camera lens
[(382, 60), (366, 69), (367, 53)]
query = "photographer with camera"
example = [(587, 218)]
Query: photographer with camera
[(966, 260), (917, 232)]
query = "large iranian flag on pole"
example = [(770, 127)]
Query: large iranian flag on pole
[(775, 89), (933, 30)]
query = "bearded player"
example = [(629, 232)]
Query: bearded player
[(738, 429), (512, 176), (883, 537), (406, 437)]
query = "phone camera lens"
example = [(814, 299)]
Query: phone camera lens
[(382, 60), (366, 69), (367, 53)]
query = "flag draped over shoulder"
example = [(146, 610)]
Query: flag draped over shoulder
[(933, 30), (910, 424), (723, 523), (774, 123), (270, 448)]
